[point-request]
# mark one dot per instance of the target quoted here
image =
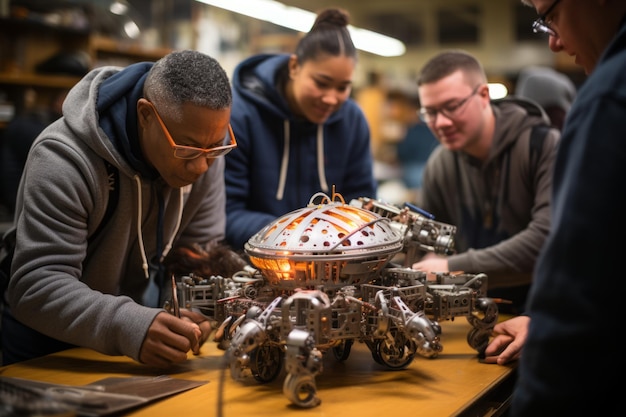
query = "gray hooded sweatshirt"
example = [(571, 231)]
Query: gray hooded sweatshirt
[(93, 289), (501, 207)]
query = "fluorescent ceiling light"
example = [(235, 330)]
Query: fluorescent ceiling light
[(497, 90), (131, 29), (302, 20), (119, 7)]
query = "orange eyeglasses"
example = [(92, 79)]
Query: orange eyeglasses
[(191, 152)]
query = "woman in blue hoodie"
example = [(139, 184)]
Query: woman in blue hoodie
[(298, 131)]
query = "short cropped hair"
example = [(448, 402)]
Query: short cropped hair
[(188, 77), (449, 62)]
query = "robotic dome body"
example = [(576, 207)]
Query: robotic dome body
[(331, 244)]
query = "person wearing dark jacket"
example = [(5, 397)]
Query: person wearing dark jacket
[(491, 177), (298, 130), (80, 277), (569, 355)]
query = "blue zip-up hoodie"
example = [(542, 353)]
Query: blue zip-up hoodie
[(282, 160)]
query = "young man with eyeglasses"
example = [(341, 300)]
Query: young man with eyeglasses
[(490, 177), (80, 280), (570, 355)]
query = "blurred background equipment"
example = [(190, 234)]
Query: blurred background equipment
[(552, 90)]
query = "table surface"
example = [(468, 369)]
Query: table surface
[(447, 385)]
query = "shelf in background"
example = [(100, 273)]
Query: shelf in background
[(38, 80), (103, 45)]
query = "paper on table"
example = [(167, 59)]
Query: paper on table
[(20, 396)]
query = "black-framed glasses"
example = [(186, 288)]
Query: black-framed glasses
[(191, 152), (451, 111), (540, 25)]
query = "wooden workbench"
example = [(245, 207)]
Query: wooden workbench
[(453, 384)]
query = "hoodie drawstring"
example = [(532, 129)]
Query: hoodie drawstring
[(321, 172), (181, 197), (284, 163), (142, 247), (320, 158)]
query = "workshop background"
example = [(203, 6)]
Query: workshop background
[(47, 45)]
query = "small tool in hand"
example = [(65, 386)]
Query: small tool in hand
[(175, 297)]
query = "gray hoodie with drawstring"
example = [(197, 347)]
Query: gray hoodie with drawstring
[(91, 289)]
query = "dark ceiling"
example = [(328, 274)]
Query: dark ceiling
[(453, 21), (415, 22)]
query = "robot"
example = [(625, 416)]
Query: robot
[(323, 278)]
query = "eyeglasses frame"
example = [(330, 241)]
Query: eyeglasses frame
[(214, 152), (541, 26), (449, 114)]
